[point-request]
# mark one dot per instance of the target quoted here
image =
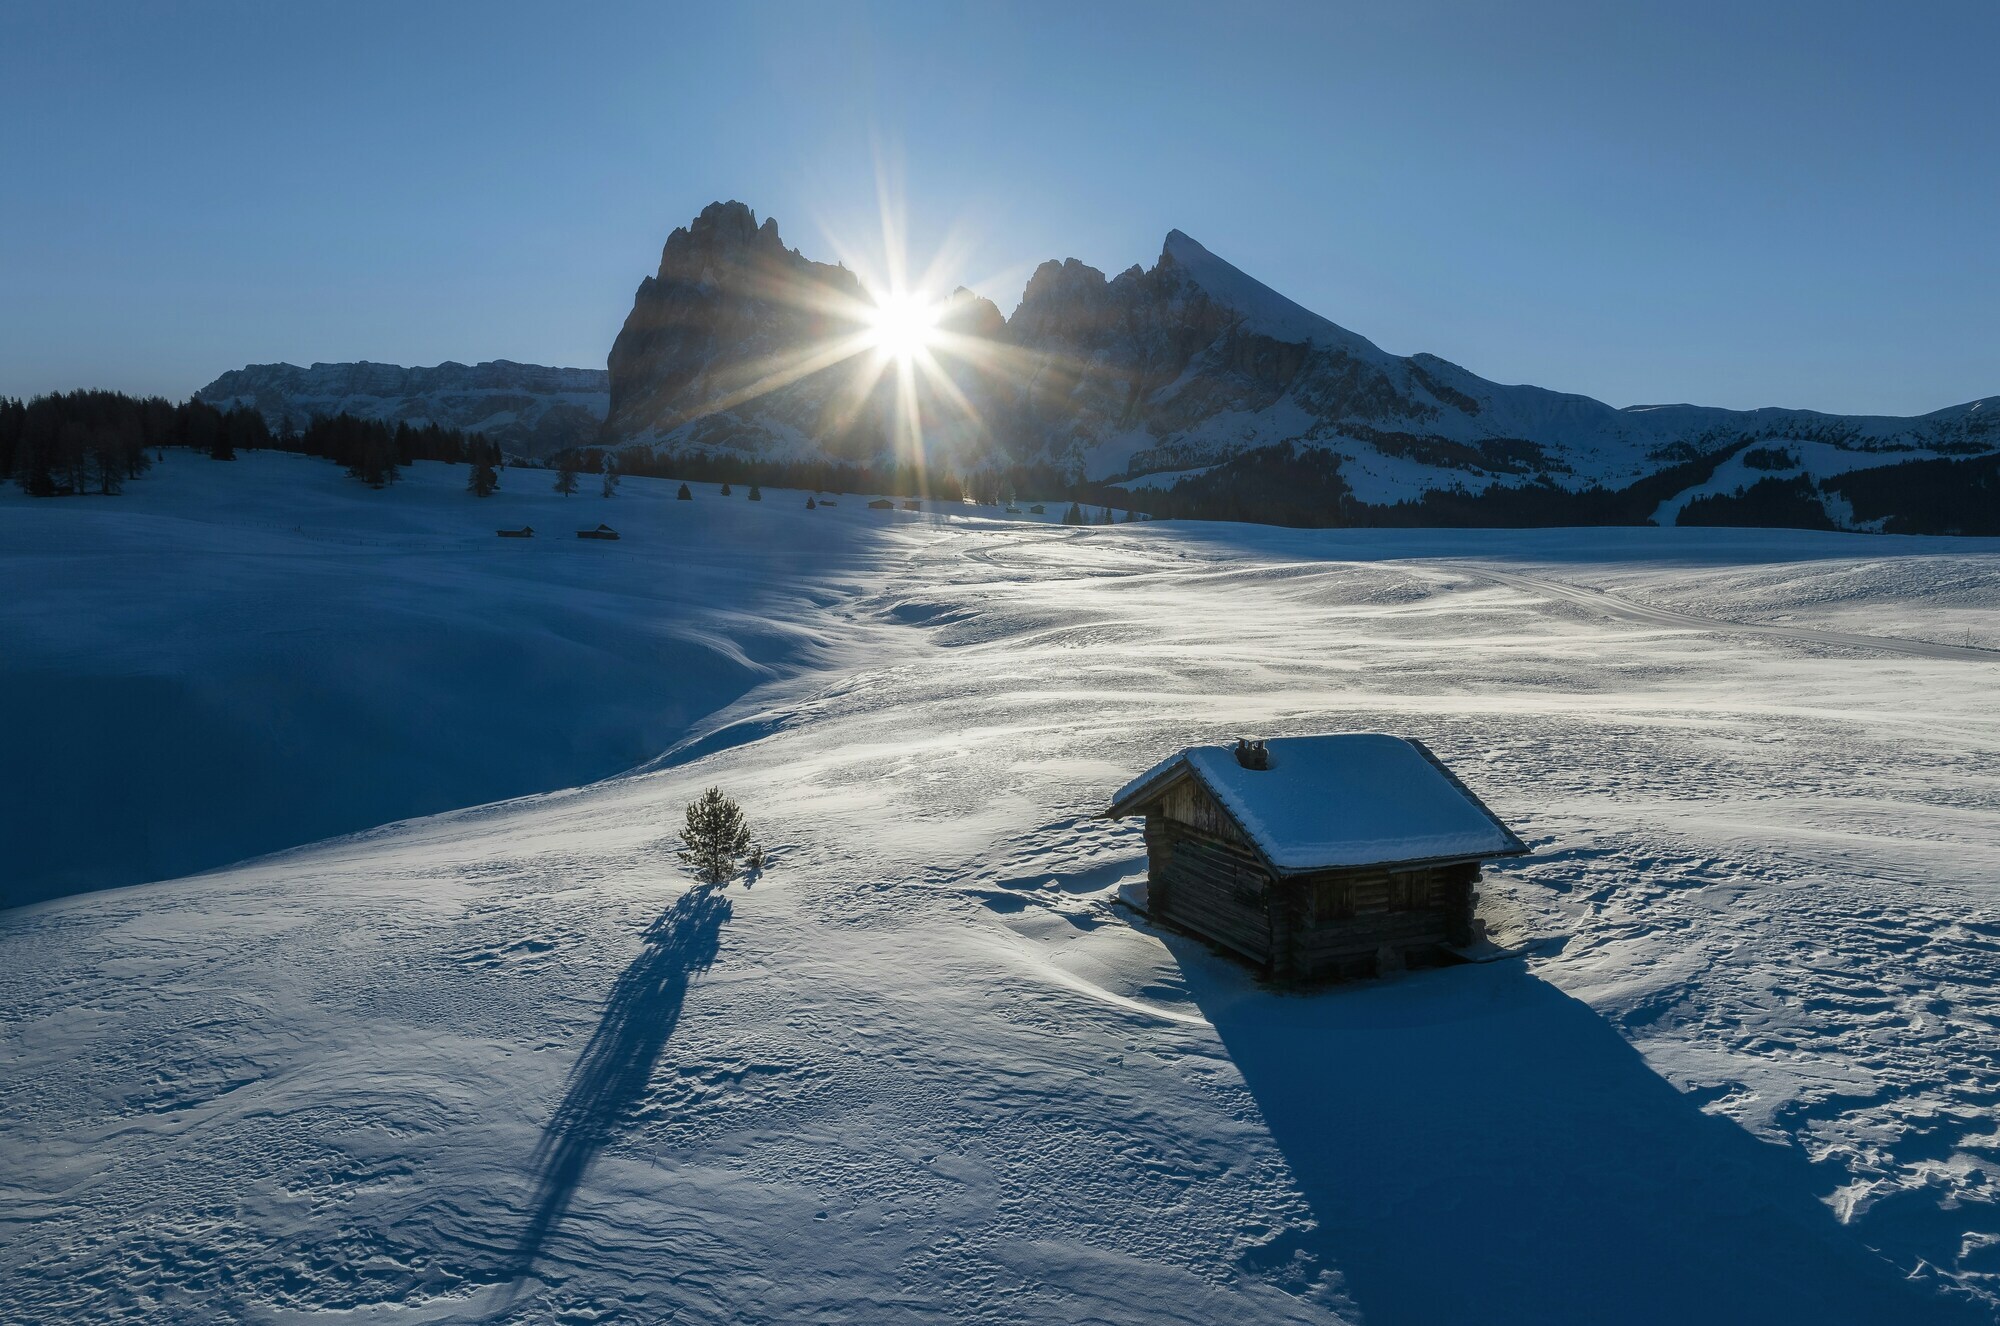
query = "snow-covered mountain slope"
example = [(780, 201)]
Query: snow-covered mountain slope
[(1171, 368), (529, 409), (505, 1064)]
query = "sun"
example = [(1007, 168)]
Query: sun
[(902, 326)]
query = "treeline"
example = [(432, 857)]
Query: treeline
[(1925, 496), (1766, 504), (374, 452), (78, 442), (1303, 487), (82, 442), (991, 485), (96, 441), (813, 476)]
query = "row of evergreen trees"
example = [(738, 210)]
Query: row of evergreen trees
[(818, 476), (95, 441), (1076, 515), (82, 442), (989, 485)]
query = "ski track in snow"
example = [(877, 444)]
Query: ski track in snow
[(504, 1064)]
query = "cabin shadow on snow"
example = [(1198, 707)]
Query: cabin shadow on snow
[(611, 1074), (1475, 1145)]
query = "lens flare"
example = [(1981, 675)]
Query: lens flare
[(894, 346), (902, 325)]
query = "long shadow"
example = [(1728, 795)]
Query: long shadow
[(612, 1072), (1476, 1145)]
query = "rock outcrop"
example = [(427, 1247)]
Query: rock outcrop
[(722, 344)]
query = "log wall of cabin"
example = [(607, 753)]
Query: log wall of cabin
[(1211, 886), (1337, 921), (1205, 877)]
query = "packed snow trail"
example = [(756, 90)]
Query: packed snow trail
[(506, 1064), (1599, 600)]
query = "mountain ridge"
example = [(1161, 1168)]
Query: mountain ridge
[(529, 409), (739, 345), (1165, 370)]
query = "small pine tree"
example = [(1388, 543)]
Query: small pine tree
[(684, 495), (725, 491), (610, 477), (1106, 518), (485, 476), (714, 837), (1073, 516), (756, 493), (566, 476), (810, 504)]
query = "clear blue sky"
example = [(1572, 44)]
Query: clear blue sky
[(1730, 204)]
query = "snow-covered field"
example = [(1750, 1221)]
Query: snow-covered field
[(504, 1064)]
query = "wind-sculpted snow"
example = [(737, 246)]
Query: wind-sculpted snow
[(508, 1064)]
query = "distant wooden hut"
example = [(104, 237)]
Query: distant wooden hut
[(525, 532), (913, 505), (1038, 510), (601, 532), (881, 504), (1315, 856)]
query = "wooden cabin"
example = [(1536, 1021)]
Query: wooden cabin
[(525, 532), (601, 532), (881, 504), (1315, 857)]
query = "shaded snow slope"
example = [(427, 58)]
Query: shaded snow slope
[(505, 1065), (231, 659)]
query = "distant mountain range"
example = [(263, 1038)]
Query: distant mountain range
[(528, 409), (1189, 376)]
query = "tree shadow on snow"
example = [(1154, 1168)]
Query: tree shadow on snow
[(1476, 1145), (611, 1074)]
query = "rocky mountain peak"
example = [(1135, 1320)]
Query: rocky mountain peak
[(971, 314), (1067, 301), (1180, 245), (724, 235)]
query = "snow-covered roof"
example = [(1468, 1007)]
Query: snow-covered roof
[(1348, 799)]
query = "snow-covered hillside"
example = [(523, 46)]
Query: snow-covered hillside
[(505, 1064)]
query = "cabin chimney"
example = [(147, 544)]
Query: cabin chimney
[(1252, 754)]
